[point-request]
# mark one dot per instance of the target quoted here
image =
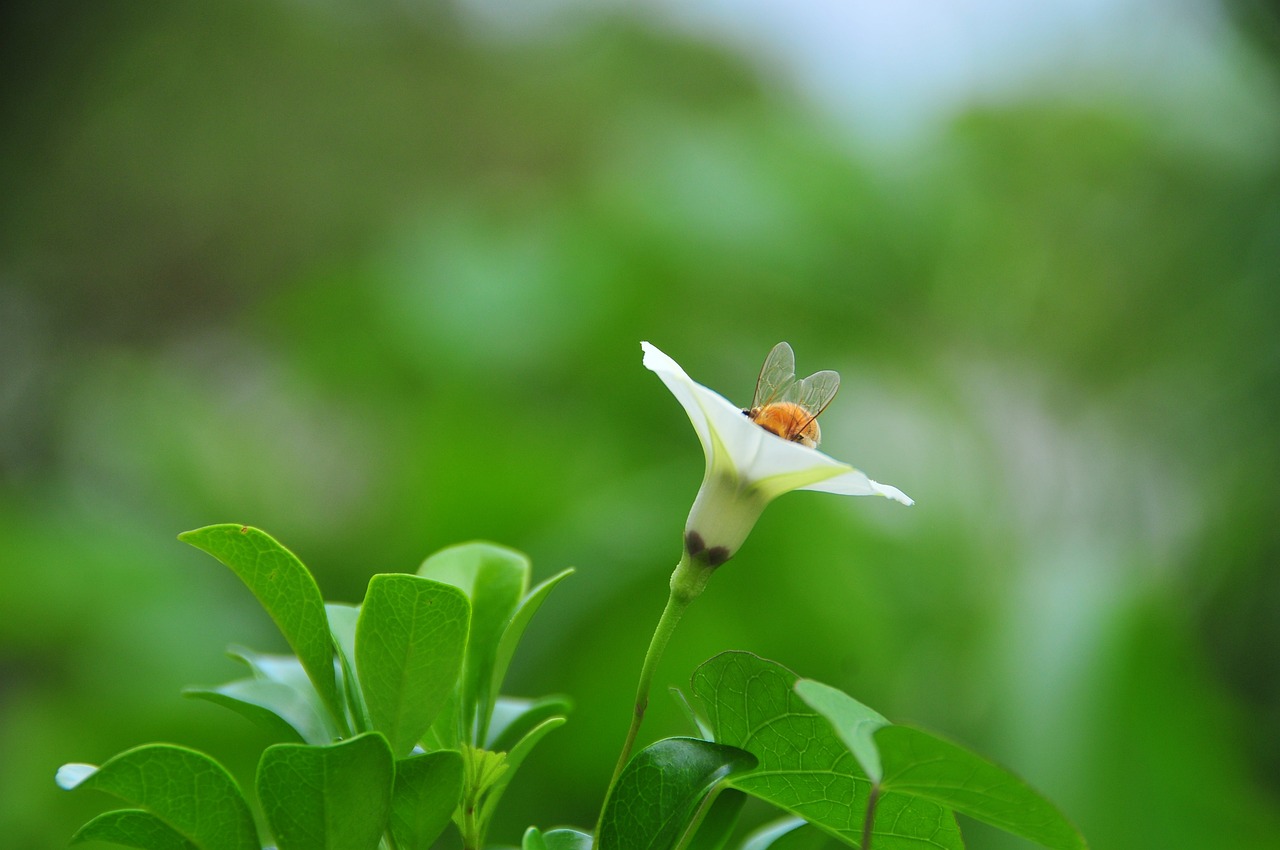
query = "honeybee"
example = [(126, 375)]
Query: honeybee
[(789, 407)]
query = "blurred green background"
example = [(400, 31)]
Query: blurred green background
[(373, 277)]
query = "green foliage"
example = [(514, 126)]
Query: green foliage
[(295, 701), (181, 793), (285, 588), (656, 802), (836, 763), (514, 758), (133, 828), (427, 790), (915, 762), (804, 767), (284, 713), (409, 645), (512, 632), (419, 664), (515, 718), (335, 797), (409, 655), (495, 579), (919, 763), (853, 722)]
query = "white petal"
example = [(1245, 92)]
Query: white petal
[(710, 413), (733, 443), (775, 457), (856, 483)]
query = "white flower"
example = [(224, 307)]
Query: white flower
[(747, 467)]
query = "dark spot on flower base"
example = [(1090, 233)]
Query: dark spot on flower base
[(697, 548), (715, 556)]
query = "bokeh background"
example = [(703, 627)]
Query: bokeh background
[(372, 276)]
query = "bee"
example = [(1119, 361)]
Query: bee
[(789, 407)]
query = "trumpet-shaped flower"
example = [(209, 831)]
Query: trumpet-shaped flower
[(747, 467)]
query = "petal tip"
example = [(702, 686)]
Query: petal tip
[(891, 492), (656, 361)]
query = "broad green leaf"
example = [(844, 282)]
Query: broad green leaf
[(186, 790), (336, 797), (285, 714), (853, 722), (427, 789), (133, 828), (515, 757), (410, 643), (343, 620), (495, 579), (533, 840), (765, 837), (715, 825), (916, 762), (660, 790), (513, 718), (511, 635), (804, 768), (287, 592)]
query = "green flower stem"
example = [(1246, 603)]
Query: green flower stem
[(687, 583)]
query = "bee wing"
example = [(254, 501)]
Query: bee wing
[(776, 375), (815, 392)]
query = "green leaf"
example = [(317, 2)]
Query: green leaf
[(918, 763), (513, 718), (343, 620), (515, 628), (765, 837), (186, 790), (272, 667), (287, 670), (513, 760), (556, 839), (446, 732), (427, 789), (854, 722), (567, 839), (804, 768), (284, 713), (133, 828), (494, 578), (660, 790), (721, 808), (922, 765), (336, 797), (287, 592), (410, 643)]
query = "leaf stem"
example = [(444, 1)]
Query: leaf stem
[(868, 822)]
